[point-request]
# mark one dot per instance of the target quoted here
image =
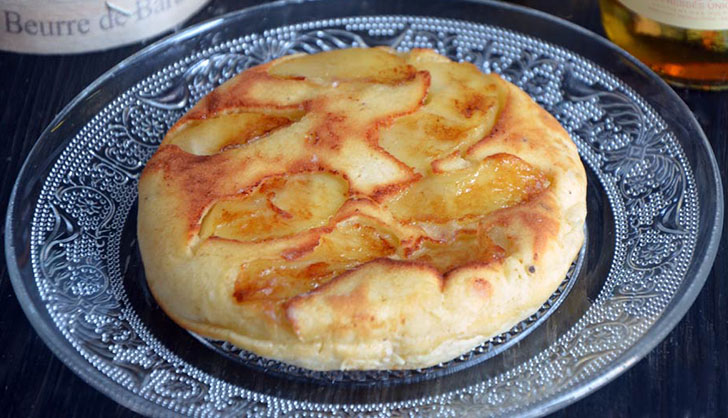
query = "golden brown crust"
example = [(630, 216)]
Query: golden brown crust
[(388, 214)]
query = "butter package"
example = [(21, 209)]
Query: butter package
[(73, 26)]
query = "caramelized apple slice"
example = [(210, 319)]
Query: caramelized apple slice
[(462, 94), (468, 246), (419, 139), (278, 208), (352, 243), (499, 181), (225, 131), (460, 109), (375, 65)]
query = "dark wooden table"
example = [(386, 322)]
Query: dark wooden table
[(686, 375)]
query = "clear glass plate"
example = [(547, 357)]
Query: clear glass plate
[(654, 200)]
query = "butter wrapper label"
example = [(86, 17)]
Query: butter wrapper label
[(73, 26)]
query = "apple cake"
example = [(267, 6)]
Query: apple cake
[(360, 209)]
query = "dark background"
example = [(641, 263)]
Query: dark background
[(685, 375)]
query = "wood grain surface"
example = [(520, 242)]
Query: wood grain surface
[(685, 375)]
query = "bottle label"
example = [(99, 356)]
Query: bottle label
[(70, 26), (687, 14)]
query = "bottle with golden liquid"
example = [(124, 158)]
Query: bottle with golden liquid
[(685, 41)]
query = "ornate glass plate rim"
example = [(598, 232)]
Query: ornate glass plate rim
[(622, 149)]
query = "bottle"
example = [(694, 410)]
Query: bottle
[(74, 26), (684, 41)]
